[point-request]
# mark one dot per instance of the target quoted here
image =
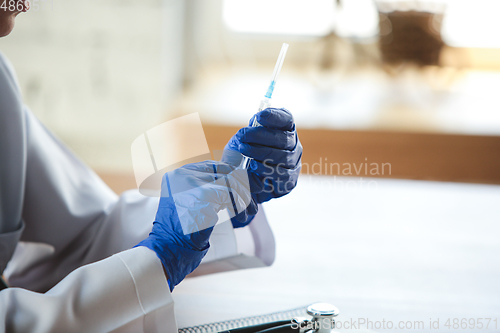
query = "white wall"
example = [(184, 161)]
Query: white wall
[(99, 73)]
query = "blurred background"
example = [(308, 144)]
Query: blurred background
[(411, 83)]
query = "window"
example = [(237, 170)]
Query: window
[(472, 23), (466, 24), (355, 18)]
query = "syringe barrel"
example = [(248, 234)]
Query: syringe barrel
[(266, 101)]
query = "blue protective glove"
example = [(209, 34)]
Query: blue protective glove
[(191, 197), (276, 155)]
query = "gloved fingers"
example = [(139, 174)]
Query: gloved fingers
[(200, 190), (198, 195), (204, 167), (275, 189), (196, 211), (272, 179), (201, 237), (243, 218), (267, 167), (281, 119), (184, 180), (232, 157), (239, 185), (188, 210), (175, 221), (267, 137), (258, 181), (209, 167), (275, 150), (194, 176), (270, 157)]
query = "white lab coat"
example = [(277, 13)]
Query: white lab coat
[(74, 268)]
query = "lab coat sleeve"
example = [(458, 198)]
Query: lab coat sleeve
[(126, 292), (70, 214), (61, 211)]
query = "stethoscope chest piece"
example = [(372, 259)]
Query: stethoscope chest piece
[(323, 316)]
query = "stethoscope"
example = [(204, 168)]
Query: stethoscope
[(322, 321)]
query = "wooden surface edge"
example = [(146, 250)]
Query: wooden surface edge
[(424, 156)]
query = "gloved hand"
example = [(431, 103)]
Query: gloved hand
[(276, 155), (191, 197)]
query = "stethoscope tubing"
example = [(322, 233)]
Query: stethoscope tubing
[(259, 328), (286, 328)]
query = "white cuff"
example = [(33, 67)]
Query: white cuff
[(152, 292)]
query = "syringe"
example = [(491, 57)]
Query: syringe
[(266, 101)]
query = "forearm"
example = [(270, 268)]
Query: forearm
[(122, 290)]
